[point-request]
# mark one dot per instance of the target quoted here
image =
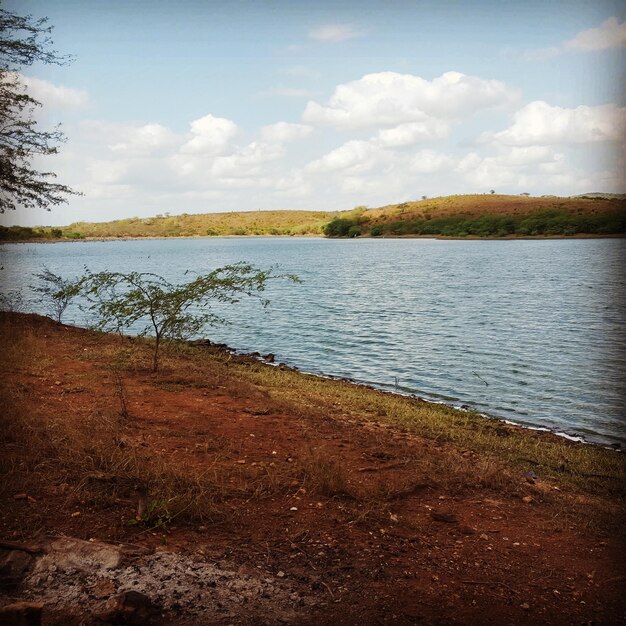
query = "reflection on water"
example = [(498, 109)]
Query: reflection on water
[(532, 331)]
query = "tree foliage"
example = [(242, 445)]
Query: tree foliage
[(152, 305), (25, 40), (57, 291)]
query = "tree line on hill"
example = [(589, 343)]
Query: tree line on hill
[(550, 222)]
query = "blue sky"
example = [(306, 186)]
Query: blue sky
[(215, 106)]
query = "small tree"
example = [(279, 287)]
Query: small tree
[(166, 310), (57, 291), (492, 191)]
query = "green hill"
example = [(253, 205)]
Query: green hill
[(486, 215)]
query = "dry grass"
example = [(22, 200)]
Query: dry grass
[(591, 469), (474, 205), (99, 454)]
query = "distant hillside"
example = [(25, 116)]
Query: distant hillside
[(600, 194), (186, 225), (492, 215), (486, 215)]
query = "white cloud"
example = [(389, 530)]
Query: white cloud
[(610, 34), (336, 32), (283, 132), (150, 139), (429, 161), (51, 95), (389, 99), (527, 155), (540, 124), (352, 155), (210, 135), (246, 161), (413, 132)]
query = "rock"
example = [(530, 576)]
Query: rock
[(525, 606), (467, 530), (21, 614), (527, 499), (444, 516), (484, 537), (132, 608), (65, 552), (13, 566), (530, 477), (269, 357)]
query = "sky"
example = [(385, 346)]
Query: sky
[(241, 105)]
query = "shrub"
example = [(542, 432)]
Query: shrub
[(339, 227), (354, 231)]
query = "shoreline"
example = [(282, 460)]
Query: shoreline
[(617, 445), (316, 236), (298, 499)]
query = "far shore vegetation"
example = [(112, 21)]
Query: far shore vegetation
[(482, 215)]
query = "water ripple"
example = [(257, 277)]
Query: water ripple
[(533, 331)]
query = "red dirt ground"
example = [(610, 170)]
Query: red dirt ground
[(502, 561)]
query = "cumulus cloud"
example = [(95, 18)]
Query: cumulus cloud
[(352, 155), (210, 135), (390, 99), (336, 32), (539, 123), (51, 95), (283, 132), (610, 34), (246, 161), (413, 132), (149, 139), (429, 161)]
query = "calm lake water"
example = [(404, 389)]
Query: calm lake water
[(531, 331)]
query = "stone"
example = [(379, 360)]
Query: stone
[(65, 552), (13, 567), (444, 516), (131, 608), (21, 614)]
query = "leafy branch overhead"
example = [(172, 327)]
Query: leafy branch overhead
[(150, 304), (24, 41)]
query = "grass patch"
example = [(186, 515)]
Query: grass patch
[(101, 449)]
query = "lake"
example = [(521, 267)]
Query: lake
[(531, 331)]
